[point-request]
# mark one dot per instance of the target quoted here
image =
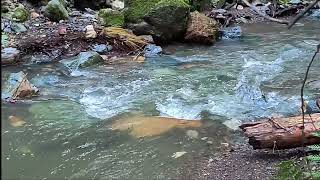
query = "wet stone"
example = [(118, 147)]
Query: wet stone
[(232, 32), (152, 50), (101, 48), (9, 55)]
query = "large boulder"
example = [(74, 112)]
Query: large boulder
[(201, 29), (110, 17), (56, 10), (165, 20)]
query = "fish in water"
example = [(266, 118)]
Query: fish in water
[(16, 121)]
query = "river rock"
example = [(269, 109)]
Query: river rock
[(201, 29), (231, 32), (192, 134), (101, 48), (17, 86), (18, 27), (165, 20), (90, 32), (152, 50), (110, 17), (9, 55), (20, 14), (56, 10), (82, 60)]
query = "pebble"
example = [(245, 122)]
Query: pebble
[(178, 154), (192, 134), (209, 142)]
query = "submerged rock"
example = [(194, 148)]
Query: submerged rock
[(165, 20), (9, 55), (82, 60), (56, 10), (152, 50), (144, 126), (231, 32), (201, 29), (17, 86), (110, 17), (16, 121)]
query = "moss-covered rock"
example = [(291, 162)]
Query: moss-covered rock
[(202, 5), (20, 14), (56, 10), (167, 18), (111, 17)]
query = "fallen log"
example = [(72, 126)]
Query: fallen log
[(282, 133)]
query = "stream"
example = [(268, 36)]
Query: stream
[(68, 136)]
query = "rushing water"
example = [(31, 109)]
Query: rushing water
[(68, 136)]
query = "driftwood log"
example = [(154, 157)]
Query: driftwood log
[(282, 133)]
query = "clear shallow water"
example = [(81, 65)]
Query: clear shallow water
[(232, 81)]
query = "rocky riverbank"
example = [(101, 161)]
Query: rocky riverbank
[(56, 29)]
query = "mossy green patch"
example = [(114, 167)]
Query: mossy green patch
[(137, 9), (111, 17), (20, 14), (56, 10)]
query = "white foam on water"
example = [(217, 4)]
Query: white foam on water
[(106, 102)]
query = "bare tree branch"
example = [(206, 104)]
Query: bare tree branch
[(301, 14)]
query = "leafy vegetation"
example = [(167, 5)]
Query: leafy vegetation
[(291, 170)]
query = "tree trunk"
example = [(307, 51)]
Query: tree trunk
[(282, 133)]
